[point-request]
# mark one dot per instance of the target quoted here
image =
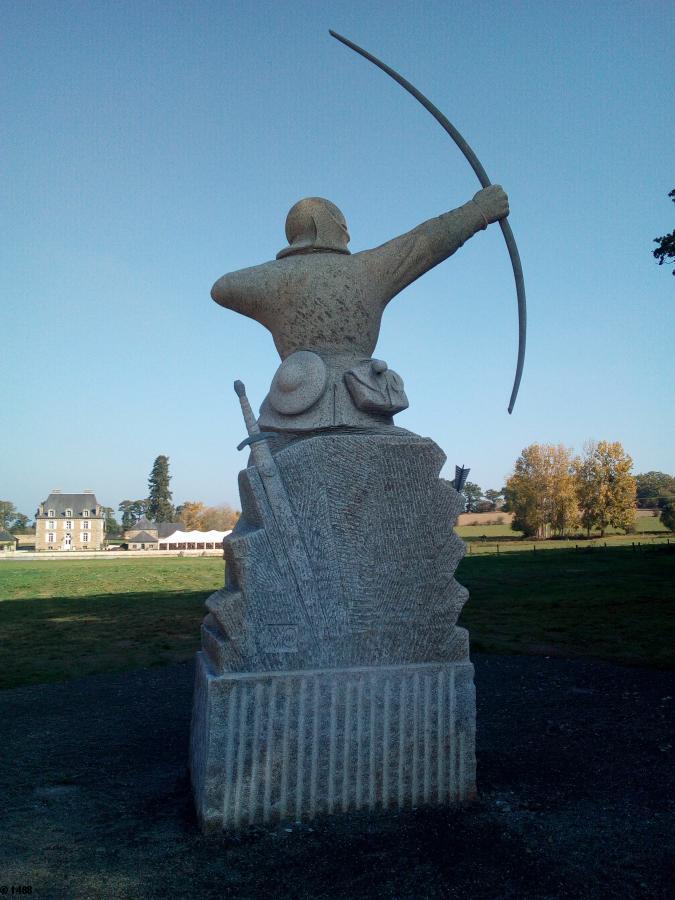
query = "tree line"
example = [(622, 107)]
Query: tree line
[(553, 493), (479, 501), (158, 506), (550, 493)]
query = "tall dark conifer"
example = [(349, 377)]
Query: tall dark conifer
[(160, 508)]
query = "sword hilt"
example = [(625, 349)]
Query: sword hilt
[(249, 418), (262, 456)]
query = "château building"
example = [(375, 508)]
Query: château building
[(69, 522)]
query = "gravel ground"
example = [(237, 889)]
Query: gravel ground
[(575, 781)]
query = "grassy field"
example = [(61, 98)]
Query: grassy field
[(61, 620), (616, 604), (643, 525)]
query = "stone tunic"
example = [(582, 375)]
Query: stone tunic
[(332, 303)]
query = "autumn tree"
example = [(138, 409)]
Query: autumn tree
[(606, 490), (196, 516), (160, 508), (190, 513), (541, 492), (472, 494), (218, 518)]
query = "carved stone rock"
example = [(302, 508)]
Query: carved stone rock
[(319, 301), (370, 580), (340, 583), (296, 745), (331, 658)]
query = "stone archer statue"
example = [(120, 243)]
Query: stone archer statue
[(323, 306), (333, 673)]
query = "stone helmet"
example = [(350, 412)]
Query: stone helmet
[(315, 224)]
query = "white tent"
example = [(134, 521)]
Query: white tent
[(193, 540)]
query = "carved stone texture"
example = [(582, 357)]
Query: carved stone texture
[(343, 557), (311, 392), (267, 747), (319, 300), (319, 297)]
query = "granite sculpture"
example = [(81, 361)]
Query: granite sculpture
[(323, 306), (332, 674)]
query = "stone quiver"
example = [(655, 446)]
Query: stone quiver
[(332, 675)]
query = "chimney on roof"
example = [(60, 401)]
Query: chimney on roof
[(56, 491)]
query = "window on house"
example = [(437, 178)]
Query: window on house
[(69, 524), (85, 513), (69, 513), (50, 538), (85, 524), (85, 538), (51, 524)]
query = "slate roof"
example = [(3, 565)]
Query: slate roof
[(143, 538), (165, 529), (143, 523), (77, 502), (6, 536)]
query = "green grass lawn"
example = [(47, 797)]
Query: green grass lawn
[(616, 604), (65, 619), (60, 620)]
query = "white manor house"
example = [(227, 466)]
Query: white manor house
[(69, 522)]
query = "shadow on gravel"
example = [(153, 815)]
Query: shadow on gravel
[(574, 779)]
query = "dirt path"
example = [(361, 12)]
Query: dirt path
[(575, 777)]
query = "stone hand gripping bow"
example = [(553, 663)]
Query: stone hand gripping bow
[(485, 182)]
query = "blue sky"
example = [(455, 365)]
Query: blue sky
[(150, 147)]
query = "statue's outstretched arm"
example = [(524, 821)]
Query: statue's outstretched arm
[(248, 291), (399, 262)]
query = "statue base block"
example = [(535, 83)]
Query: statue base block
[(273, 746)]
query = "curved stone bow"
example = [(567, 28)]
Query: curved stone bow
[(485, 182)]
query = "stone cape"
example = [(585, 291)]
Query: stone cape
[(332, 674)]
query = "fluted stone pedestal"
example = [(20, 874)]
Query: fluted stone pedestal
[(333, 676), (272, 746)]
